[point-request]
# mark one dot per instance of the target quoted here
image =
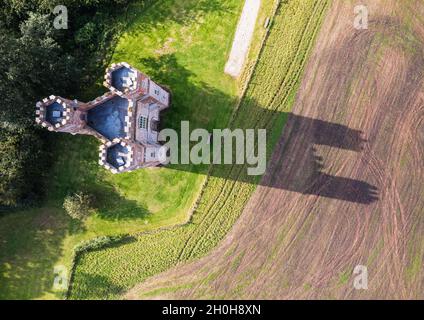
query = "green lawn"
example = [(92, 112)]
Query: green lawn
[(107, 273), (182, 44)]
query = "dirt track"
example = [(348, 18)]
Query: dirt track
[(242, 38), (345, 184)]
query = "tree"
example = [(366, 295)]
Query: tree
[(32, 66), (36, 61), (20, 156), (78, 205)]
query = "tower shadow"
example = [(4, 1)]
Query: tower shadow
[(300, 168), (294, 164)]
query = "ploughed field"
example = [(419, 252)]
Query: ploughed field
[(344, 186)]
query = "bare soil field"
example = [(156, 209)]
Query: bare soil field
[(345, 183)]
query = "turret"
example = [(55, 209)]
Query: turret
[(121, 155), (56, 114)]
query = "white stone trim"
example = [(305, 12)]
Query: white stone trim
[(108, 78), (128, 119), (41, 110)]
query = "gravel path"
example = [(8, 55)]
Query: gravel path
[(242, 38)]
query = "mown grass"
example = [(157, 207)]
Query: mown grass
[(269, 95), (181, 44)]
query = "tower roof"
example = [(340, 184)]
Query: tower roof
[(116, 155), (111, 117), (121, 77), (52, 112)]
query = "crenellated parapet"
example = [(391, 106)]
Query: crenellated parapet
[(52, 113), (99, 100), (121, 78), (129, 119), (116, 156)]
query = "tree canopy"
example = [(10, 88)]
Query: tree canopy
[(32, 65), (36, 61)]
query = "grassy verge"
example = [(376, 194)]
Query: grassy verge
[(270, 93), (180, 43)]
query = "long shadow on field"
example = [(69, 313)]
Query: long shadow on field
[(300, 167)]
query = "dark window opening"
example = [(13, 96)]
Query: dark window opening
[(154, 125), (142, 122)]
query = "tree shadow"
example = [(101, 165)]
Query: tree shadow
[(76, 226), (296, 150), (76, 170), (179, 12), (30, 243), (96, 286), (112, 206)]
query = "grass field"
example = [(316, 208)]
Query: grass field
[(109, 272), (181, 44)]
